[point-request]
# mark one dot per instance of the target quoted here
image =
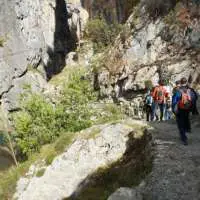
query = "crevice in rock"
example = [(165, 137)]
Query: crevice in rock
[(6, 91), (63, 41)]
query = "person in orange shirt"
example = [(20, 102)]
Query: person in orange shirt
[(159, 96)]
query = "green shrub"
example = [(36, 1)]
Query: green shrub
[(40, 122), (101, 33), (35, 124), (76, 96)]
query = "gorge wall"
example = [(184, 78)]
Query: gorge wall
[(35, 37), (148, 49)]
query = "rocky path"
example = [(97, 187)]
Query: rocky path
[(176, 168)]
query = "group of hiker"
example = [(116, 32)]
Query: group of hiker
[(162, 104)]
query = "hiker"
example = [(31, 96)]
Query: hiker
[(181, 107), (159, 97), (167, 113), (148, 106), (177, 86), (167, 107)]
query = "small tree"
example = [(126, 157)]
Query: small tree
[(101, 33)]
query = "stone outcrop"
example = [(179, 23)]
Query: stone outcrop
[(96, 148), (35, 36), (148, 49)]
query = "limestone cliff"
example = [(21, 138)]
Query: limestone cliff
[(150, 48), (35, 37)]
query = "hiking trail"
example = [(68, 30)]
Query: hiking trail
[(176, 168)]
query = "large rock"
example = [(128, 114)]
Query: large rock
[(97, 147)]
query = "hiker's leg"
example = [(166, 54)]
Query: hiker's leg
[(147, 113), (161, 106), (165, 113), (156, 110), (180, 118), (187, 124), (152, 111)]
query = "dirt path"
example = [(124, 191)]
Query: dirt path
[(176, 168)]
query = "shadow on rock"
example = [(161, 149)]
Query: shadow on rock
[(63, 42), (134, 165)]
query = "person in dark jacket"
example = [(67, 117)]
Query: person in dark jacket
[(181, 107)]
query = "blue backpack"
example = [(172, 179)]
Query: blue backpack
[(149, 100)]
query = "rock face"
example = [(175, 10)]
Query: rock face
[(97, 147), (148, 49), (35, 36)]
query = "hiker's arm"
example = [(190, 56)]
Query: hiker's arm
[(175, 99)]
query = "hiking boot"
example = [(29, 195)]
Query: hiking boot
[(185, 143)]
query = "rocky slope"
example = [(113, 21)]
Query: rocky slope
[(115, 154), (148, 49)]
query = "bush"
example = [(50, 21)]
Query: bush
[(156, 8), (35, 125), (76, 96), (101, 33), (40, 122)]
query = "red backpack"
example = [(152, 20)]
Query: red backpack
[(160, 94), (186, 101)]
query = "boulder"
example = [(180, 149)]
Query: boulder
[(95, 148)]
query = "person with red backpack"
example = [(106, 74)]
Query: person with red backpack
[(159, 96), (181, 107)]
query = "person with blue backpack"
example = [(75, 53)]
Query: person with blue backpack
[(182, 101)]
